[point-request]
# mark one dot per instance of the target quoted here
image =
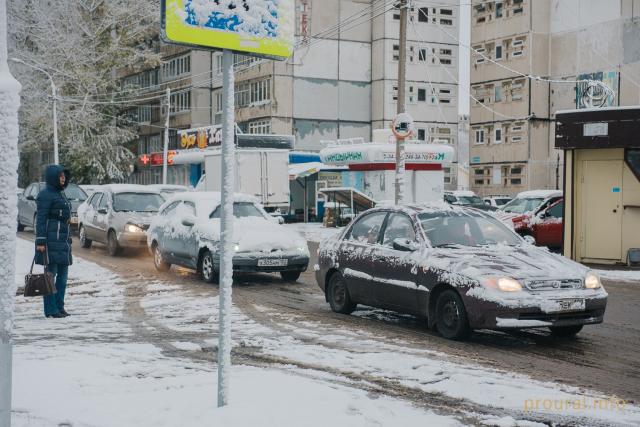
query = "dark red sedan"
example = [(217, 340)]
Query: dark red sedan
[(461, 268), (545, 225)]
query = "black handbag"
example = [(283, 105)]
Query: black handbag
[(38, 285)]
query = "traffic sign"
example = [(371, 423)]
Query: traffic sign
[(264, 28)]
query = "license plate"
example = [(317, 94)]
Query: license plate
[(272, 262), (568, 305)]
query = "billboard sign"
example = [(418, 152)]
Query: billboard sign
[(262, 28)]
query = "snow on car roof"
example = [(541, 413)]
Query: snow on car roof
[(168, 187), (129, 188), (207, 200), (539, 194)]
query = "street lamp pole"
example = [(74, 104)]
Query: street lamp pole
[(54, 92)]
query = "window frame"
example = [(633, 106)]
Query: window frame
[(385, 224), (348, 234)]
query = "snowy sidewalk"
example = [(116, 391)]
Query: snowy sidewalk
[(143, 353)]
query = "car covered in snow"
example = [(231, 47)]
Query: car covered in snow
[(545, 226), (525, 205), (27, 204), (460, 268), (118, 215), (497, 201), (168, 190), (466, 198), (186, 232)]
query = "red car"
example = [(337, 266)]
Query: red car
[(544, 225)]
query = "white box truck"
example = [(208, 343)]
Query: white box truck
[(263, 173)]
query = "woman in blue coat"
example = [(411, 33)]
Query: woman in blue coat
[(53, 240)]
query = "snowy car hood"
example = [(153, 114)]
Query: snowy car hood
[(519, 262), (255, 235)]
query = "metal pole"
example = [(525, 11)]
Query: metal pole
[(306, 208), (226, 228), (56, 158), (165, 151), (402, 75), (9, 104)]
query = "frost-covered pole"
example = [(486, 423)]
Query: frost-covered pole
[(402, 70), (54, 91), (165, 151), (9, 104), (226, 227)]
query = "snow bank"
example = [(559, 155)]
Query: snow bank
[(632, 276)]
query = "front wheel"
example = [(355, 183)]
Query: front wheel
[(339, 297), (158, 259), (451, 316), (565, 331), (290, 276), (84, 241), (207, 269), (112, 244)]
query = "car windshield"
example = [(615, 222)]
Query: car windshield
[(74, 192), (521, 205), (501, 202), (137, 202), (468, 200), (241, 210), (465, 229)]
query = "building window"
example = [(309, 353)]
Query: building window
[(242, 94), (422, 134), (497, 135), (218, 64), (180, 102), (632, 159), (422, 55), (396, 52), (479, 136), (516, 171), (498, 52), (498, 9), (260, 126), (446, 22), (497, 94), (423, 14), (445, 61), (261, 91), (516, 181), (448, 12), (422, 95), (176, 67), (445, 52)]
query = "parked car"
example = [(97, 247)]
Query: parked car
[(466, 198), (527, 204), (118, 215), (496, 201), (545, 226), (168, 190), (186, 232), (460, 268), (27, 204), (90, 188)]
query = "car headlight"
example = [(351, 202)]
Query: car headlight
[(592, 281), (132, 228), (504, 284), (236, 248)]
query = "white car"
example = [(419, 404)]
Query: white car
[(496, 201), (186, 232), (168, 190)]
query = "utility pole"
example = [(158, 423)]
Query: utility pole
[(9, 104), (226, 226), (402, 76), (165, 151)]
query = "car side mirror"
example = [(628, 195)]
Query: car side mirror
[(529, 239), (102, 211), (405, 245), (188, 221)]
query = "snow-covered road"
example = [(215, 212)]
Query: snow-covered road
[(141, 351)]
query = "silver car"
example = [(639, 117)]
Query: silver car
[(118, 215)]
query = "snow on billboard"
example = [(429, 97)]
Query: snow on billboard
[(260, 27)]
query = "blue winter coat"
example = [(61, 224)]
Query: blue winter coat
[(53, 216)]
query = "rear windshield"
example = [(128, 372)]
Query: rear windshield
[(137, 202), (241, 210), (468, 200), (465, 229)]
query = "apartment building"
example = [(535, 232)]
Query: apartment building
[(339, 83), (512, 116)]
